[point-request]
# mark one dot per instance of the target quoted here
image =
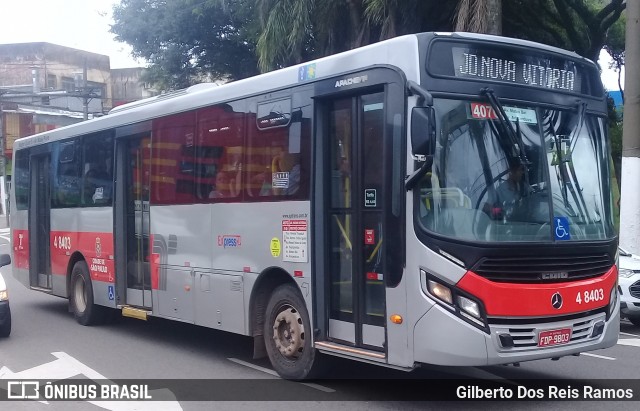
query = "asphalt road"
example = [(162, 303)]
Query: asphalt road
[(46, 343)]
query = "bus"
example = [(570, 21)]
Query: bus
[(436, 198)]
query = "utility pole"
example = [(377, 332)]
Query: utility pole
[(82, 89), (85, 92), (630, 203)]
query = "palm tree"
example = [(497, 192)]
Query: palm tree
[(297, 30), (479, 16)]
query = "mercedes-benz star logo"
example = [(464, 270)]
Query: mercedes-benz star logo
[(556, 301)]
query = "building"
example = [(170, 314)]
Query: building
[(44, 86), (127, 85)]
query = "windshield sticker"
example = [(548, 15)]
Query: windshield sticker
[(524, 115), (484, 111), (561, 228)]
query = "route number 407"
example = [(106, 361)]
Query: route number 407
[(590, 296), (62, 242)]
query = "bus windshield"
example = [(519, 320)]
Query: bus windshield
[(548, 181)]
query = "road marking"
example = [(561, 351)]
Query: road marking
[(629, 334), (66, 367), (255, 367), (632, 342), (275, 374), (597, 356)]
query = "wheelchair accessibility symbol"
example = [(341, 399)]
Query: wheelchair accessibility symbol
[(561, 228), (111, 292)]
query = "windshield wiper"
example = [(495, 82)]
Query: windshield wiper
[(566, 172), (582, 204), (513, 134)]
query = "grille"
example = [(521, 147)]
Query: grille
[(526, 336), (634, 289), (535, 269)]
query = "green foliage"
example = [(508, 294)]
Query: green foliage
[(186, 41), (578, 25)]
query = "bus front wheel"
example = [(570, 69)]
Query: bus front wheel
[(84, 310), (287, 335)]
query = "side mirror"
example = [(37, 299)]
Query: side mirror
[(5, 259), (423, 130)]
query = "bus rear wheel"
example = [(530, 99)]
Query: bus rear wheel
[(84, 310), (287, 335)]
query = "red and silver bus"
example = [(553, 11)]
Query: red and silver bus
[(434, 198)]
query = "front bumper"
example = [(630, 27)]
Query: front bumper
[(442, 338)]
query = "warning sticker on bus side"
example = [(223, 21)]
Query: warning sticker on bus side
[(294, 241)]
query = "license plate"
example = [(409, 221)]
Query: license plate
[(554, 337)]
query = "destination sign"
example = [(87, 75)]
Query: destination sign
[(529, 70), (514, 65)]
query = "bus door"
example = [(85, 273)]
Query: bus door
[(132, 221), (40, 221), (355, 220)]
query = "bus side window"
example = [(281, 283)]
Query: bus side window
[(220, 152), (97, 170), (66, 188)]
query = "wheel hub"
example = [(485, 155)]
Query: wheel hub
[(288, 332)]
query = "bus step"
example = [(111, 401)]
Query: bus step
[(334, 348), (134, 313)]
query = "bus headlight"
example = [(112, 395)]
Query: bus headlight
[(459, 302), (469, 306), (4, 295), (440, 291)]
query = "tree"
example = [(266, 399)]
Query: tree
[(479, 16), (297, 30), (294, 31), (190, 40), (186, 41), (578, 25)]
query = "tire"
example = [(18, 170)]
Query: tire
[(287, 335), (81, 298), (5, 329), (635, 321)]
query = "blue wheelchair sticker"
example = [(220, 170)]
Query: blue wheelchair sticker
[(112, 294), (561, 228)]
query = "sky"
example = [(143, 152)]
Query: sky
[(85, 24), (81, 24)]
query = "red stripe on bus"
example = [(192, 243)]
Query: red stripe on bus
[(513, 300), (97, 249)]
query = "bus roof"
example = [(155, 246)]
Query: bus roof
[(205, 94)]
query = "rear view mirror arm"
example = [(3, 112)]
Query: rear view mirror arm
[(415, 89)]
